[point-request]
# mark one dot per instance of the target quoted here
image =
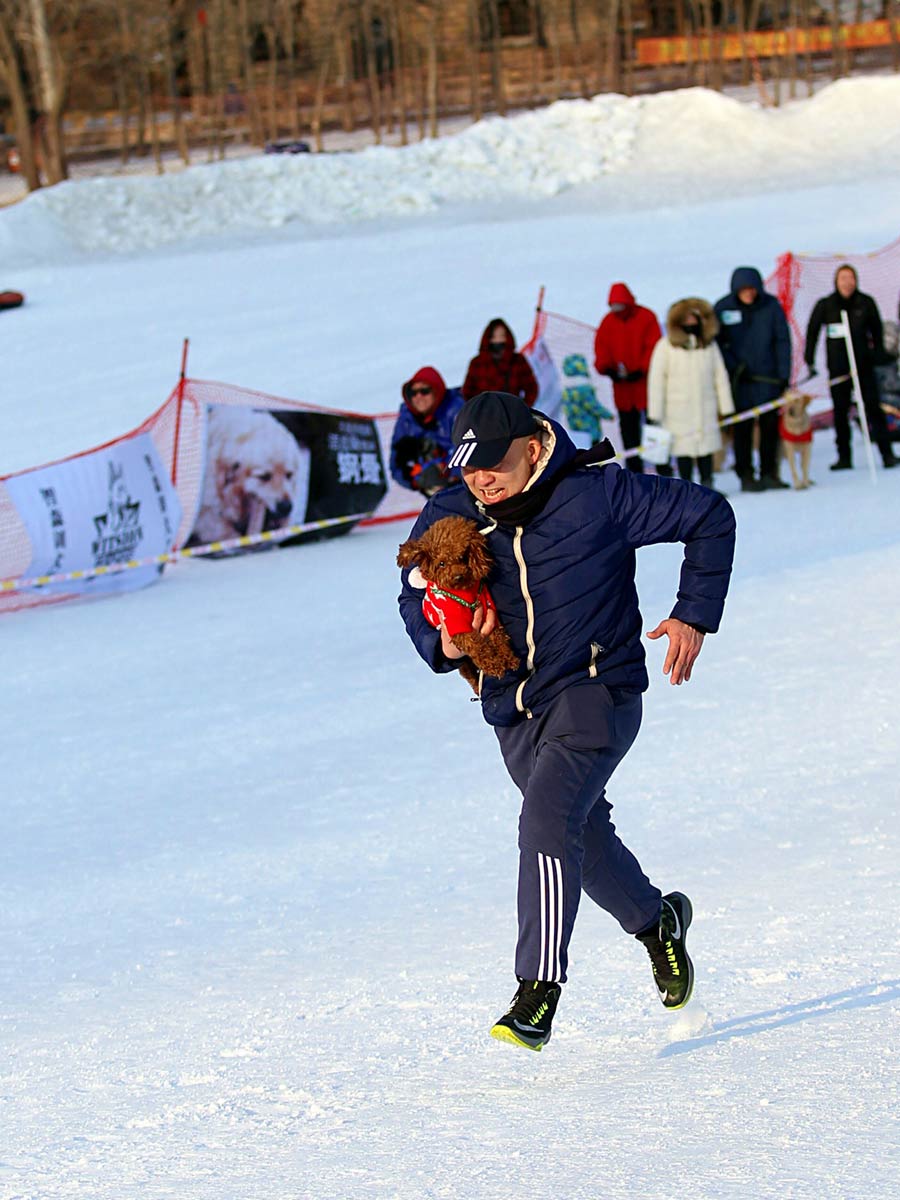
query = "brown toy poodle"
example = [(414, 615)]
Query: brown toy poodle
[(453, 560)]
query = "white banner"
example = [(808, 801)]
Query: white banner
[(547, 376), (110, 506)]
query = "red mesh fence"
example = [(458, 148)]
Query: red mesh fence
[(178, 432)]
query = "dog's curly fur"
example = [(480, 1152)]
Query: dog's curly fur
[(453, 554)]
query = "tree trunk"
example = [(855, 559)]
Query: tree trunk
[(289, 32), (51, 92), (537, 54), (580, 72), (741, 16), (612, 57), (473, 32), (257, 133), (556, 86), (16, 88), (432, 79), (793, 21), (271, 35), (398, 37), (498, 83), (319, 98), (836, 56), (371, 72), (344, 59), (628, 22), (174, 98)]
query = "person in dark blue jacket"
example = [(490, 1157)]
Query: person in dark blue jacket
[(563, 529), (756, 344), (420, 443)]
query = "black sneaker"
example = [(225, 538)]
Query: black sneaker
[(673, 970), (527, 1022), (842, 464)]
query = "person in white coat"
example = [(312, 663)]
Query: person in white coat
[(688, 389)]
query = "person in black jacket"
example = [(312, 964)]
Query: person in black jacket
[(756, 344), (867, 336)]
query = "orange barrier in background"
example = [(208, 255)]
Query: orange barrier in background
[(774, 43)]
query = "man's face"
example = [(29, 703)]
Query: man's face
[(490, 485), (846, 283), (747, 295), (421, 398)]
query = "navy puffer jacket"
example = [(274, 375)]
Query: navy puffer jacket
[(755, 341), (564, 582)]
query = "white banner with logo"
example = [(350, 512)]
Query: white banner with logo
[(110, 506)]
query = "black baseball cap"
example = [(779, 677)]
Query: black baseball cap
[(486, 426)]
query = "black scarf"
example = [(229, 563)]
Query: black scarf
[(525, 506)]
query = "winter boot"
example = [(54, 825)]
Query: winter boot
[(673, 970), (528, 1019), (843, 464)]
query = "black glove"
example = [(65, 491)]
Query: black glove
[(430, 480)]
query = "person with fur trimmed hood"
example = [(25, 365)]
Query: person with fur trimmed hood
[(421, 441), (687, 387), (756, 344), (498, 366), (623, 344), (867, 336)]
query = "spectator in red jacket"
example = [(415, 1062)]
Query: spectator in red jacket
[(622, 348), (497, 367)]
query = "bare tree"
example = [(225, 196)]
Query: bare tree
[(14, 74)]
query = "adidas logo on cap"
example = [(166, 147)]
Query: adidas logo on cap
[(470, 433)]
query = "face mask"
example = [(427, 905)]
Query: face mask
[(617, 308), (497, 348)]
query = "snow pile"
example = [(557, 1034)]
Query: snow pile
[(695, 139)]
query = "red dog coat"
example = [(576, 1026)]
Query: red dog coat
[(793, 437), (454, 609)]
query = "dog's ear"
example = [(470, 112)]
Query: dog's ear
[(479, 559), (410, 553), (415, 553)]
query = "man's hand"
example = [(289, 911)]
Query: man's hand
[(685, 643), (482, 622)]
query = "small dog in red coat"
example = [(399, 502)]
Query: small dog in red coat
[(453, 560), (795, 429)]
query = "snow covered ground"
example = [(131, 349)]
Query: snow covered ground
[(258, 865)]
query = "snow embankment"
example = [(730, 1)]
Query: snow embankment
[(645, 146)]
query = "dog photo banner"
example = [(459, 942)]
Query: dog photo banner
[(267, 469), (107, 507)]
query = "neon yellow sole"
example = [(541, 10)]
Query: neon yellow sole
[(504, 1034)]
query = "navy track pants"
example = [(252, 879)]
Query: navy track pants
[(561, 763)]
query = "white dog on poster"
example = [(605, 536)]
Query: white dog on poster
[(257, 476)]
